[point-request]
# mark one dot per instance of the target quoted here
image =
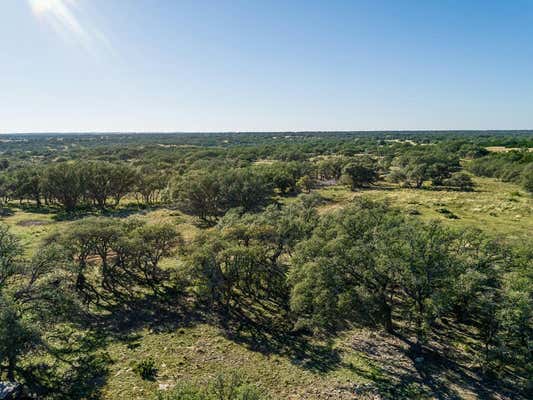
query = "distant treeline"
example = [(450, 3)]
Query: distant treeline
[(245, 146), (207, 184)]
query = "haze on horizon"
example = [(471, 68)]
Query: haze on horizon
[(150, 66)]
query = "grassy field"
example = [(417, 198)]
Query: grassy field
[(497, 208), (360, 364), (33, 225)]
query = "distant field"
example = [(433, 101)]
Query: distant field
[(498, 208), (33, 226), (503, 149), (495, 207)]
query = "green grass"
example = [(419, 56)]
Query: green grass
[(498, 208), (197, 354), (361, 360), (31, 227)]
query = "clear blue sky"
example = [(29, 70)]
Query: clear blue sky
[(173, 65)]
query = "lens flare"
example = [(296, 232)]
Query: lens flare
[(65, 17), (41, 6)]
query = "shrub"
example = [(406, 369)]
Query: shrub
[(527, 178), (232, 387), (224, 387), (359, 174), (184, 392), (146, 369), (459, 181), (447, 213)]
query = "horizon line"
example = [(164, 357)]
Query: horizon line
[(260, 132)]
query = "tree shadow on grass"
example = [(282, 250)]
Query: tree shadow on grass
[(42, 209), (6, 211), (123, 320), (259, 333), (88, 211), (439, 375), (79, 364), (77, 371), (94, 212)]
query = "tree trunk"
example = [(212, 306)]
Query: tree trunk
[(11, 369), (387, 318)]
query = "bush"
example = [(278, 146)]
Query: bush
[(447, 213), (232, 387), (224, 387), (184, 392), (146, 369), (359, 174), (509, 167), (459, 181), (527, 178)]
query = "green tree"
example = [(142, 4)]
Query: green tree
[(27, 183), (305, 183), (425, 258), (17, 337), (459, 181), (65, 182), (6, 188), (331, 168), (527, 177), (359, 174), (33, 296), (122, 181), (244, 257), (150, 184), (417, 166), (210, 194), (98, 182), (199, 194), (342, 272), (10, 252), (112, 259)]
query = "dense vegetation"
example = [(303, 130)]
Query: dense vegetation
[(265, 259), (515, 166)]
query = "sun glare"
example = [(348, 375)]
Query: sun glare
[(42, 6), (65, 18)]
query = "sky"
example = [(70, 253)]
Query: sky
[(176, 65)]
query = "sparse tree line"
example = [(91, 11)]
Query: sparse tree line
[(208, 188), (367, 264), (82, 184)]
